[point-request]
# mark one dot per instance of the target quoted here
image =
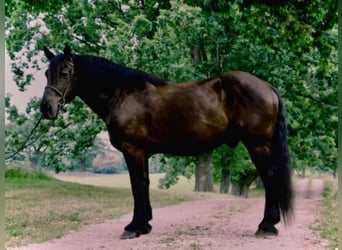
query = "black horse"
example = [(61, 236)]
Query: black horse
[(145, 115)]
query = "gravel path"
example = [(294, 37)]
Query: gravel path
[(206, 224)]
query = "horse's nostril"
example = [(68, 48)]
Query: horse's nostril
[(48, 108), (48, 111)]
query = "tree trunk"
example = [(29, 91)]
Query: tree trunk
[(198, 53), (34, 161), (245, 181), (204, 173), (238, 190), (82, 168), (225, 181), (204, 163), (258, 182), (301, 173), (245, 191)]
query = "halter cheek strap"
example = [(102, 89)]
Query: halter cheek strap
[(62, 102)]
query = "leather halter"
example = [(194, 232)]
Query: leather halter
[(62, 102)]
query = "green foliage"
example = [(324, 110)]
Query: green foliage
[(291, 44), (174, 166)]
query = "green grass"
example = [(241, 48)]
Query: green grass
[(18, 173), (36, 203), (327, 225)]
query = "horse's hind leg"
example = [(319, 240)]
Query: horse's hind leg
[(260, 156)]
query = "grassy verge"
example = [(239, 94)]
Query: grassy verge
[(39, 208), (327, 226)]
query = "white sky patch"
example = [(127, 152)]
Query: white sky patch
[(36, 89), (18, 98)]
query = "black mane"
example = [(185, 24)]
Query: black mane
[(104, 71)]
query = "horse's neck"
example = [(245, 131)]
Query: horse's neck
[(97, 104), (93, 90), (100, 82)]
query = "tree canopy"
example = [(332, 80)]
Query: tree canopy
[(291, 44)]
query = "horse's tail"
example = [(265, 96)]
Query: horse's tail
[(280, 157)]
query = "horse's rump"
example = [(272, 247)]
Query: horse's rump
[(253, 106)]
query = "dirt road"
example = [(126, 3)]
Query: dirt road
[(208, 224)]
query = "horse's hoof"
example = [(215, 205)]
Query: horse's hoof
[(129, 235), (260, 233), (147, 230)]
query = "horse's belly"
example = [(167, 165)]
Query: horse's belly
[(187, 142), (185, 149)]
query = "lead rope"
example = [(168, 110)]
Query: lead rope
[(26, 141)]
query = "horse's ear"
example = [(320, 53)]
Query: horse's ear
[(49, 55), (67, 52)]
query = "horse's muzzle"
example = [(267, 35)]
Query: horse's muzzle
[(49, 110)]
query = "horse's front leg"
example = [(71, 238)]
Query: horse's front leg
[(137, 164)]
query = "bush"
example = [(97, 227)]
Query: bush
[(106, 170), (20, 173)]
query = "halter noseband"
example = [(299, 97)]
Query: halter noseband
[(61, 103)]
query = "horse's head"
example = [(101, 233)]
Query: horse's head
[(60, 87)]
